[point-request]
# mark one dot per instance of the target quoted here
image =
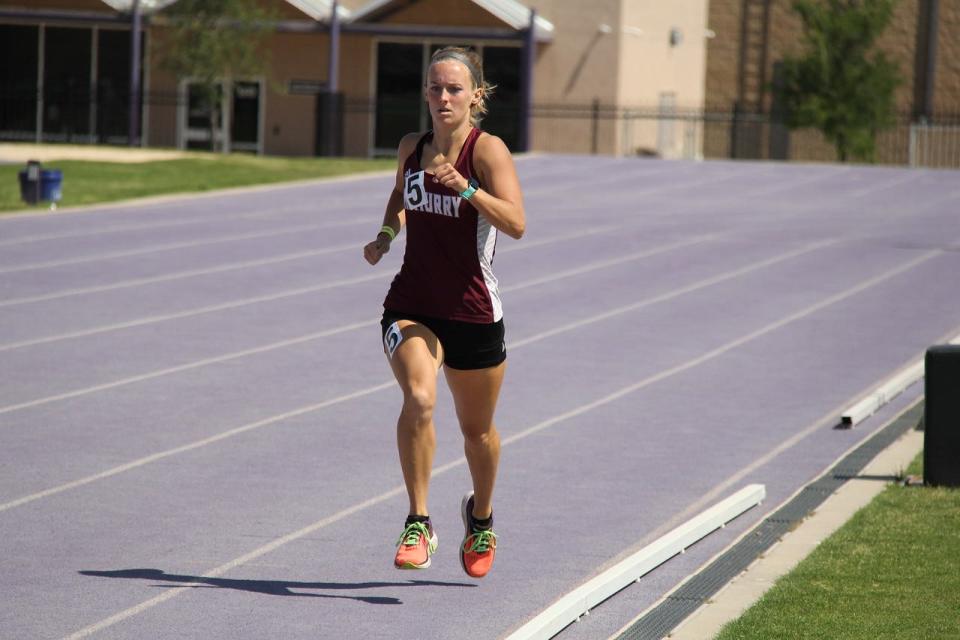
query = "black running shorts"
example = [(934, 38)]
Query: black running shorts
[(466, 345)]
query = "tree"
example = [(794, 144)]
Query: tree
[(839, 85), (212, 42)]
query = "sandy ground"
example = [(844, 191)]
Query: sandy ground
[(17, 153)]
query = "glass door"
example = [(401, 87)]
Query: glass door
[(205, 119)]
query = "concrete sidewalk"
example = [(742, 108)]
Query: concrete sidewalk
[(17, 153)]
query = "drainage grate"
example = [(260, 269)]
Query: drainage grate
[(665, 617)]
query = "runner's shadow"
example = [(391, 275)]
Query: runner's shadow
[(272, 587)]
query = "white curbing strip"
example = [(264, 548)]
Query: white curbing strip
[(579, 601), (743, 591), (882, 395), (885, 393)]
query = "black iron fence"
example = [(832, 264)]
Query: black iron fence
[(80, 117)]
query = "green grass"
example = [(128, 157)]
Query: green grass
[(94, 182), (892, 571)]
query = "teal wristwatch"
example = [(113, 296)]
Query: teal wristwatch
[(471, 189)]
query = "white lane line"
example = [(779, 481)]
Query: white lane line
[(289, 293), (196, 312), (133, 228), (516, 345), (785, 184), (876, 188), (669, 295), (190, 365), (197, 444), (136, 206), (560, 329), (177, 275), (593, 266), (626, 177), (255, 235), (546, 424)]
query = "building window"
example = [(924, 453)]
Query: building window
[(66, 84), (400, 106), (18, 82), (399, 92), (113, 85)]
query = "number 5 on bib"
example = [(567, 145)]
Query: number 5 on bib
[(413, 190)]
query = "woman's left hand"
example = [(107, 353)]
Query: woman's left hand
[(448, 176)]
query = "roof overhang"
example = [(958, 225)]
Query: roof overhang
[(146, 6), (514, 14), (367, 20)]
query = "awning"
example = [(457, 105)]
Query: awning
[(514, 14), (318, 10)]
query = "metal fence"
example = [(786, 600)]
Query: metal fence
[(585, 128), (761, 137)]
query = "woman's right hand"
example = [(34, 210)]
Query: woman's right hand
[(373, 251)]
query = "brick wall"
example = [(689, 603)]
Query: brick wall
[(946, 98), (784, 36), (900, 41)]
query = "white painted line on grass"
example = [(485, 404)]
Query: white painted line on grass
[(886, 392), (578, 602), (546, 424), (161, 247)]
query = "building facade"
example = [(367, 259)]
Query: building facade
[(680, 79), (66, 74)]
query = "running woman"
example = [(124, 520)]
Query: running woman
[(456, 188)]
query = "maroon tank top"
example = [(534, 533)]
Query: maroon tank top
[(447, 265)]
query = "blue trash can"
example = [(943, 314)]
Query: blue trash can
[(51, 182)]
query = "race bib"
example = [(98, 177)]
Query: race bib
[(392, 339), (414, 194)]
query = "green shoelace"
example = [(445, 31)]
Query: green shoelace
[(481, 541), (411, 535)]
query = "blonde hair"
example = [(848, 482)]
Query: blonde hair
[(474, 64)]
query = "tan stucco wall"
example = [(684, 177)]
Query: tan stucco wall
[(290, 120), (651, 66), (578, 67)]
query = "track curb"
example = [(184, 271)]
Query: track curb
[(729, 584)]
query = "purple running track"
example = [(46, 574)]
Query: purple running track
[(197, 421)]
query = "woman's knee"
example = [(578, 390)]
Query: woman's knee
[(480, 435), (418, 402)]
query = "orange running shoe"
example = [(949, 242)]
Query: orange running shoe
[(479, 546), (415, 546)]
